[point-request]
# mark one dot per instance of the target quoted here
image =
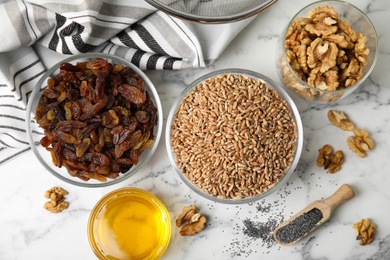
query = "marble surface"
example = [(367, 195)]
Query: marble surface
[(29, 232)]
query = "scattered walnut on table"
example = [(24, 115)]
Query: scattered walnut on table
[(328, 160), (365, 230), (360, 143), (340, 119), (186, 214), (193, 221), (324, 156), (57, 201), (337, 161)]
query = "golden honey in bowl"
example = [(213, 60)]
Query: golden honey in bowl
[(129, 223)]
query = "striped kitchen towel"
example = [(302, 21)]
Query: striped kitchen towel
[(131, 29)]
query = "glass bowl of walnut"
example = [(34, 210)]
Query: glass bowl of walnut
[(327, 51), (94, 120), (234, 136)]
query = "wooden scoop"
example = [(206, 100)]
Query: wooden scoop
[(311, 217)]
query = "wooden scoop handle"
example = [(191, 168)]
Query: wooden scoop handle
[(343, 194)]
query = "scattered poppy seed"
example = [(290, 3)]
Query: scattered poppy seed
[(260, 230)]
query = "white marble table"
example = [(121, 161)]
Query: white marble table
[(29, 232)]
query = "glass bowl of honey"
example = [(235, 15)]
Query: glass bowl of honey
[(129, 223)]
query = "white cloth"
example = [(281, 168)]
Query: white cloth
[(133, 30)]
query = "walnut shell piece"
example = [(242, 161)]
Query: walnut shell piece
[(365, 230)]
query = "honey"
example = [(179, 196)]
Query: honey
[(131, 224)]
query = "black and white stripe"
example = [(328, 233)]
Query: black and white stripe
[(130, 29), (133, 30), (16, 82)]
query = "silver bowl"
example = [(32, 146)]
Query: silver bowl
[(205, 169), (35, 133)]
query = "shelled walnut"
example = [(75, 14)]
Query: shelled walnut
[(57, 201), (328, 160), (325, 52), (365, 230), (324, 156), (192, 220), (360, 143), (340, 119), (337, 161)]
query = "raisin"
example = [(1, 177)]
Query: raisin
[(72, 94), (76, 110), (45, 141), (83, 147), (84, 88), (50, 93), (142, 116), (131, 121), (65, 137), (99, 159), (103, 169), (101, 81), (94, 137), (68, 125), (69, 79), (121, 111), (110, 101), (132, 93), (69, 154), (130, 141), (92, 175), (121, 136), (57, 153), (89, 128), (118, 151), (97, 64), (69, 67), (76, 165), (59, 113), (93, 110)]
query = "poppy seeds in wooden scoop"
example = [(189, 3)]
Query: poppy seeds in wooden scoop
[(299, 226)]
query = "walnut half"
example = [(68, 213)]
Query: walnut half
[(193, 221), (340, 119), (360, 143), (365, 230), (328, 160), (57, 201)]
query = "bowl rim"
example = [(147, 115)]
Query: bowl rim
[(269, 83), (341, 2), (72, 180), (211, 19), (127, 192)]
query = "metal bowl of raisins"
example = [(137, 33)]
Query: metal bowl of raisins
[(94, 120)]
